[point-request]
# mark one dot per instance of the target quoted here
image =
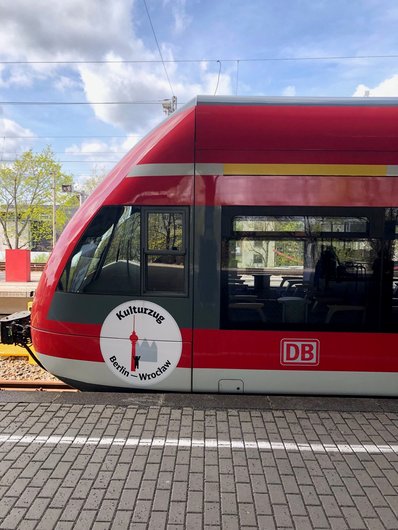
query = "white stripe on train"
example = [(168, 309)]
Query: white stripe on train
[(210, 380)]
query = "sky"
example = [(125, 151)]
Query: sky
[(87, 53)]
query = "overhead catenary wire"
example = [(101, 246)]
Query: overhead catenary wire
[(149, 102), (218, 78), (203, 60), (92, 136), (83, 153), (164, 61), (160, 51), (9, 161)]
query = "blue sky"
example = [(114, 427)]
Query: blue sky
[(238, 47)]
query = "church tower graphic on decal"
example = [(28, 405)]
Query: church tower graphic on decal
[(148, 352)]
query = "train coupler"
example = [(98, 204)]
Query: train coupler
[(15, 329)]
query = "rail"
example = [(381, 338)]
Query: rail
[(38, 386)]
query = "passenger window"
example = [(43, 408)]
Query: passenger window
[(311, 270)]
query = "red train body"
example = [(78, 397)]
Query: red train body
[(245, 245)]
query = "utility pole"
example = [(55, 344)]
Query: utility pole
[(54, 210)]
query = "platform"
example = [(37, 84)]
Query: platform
[(176, 461), (14, 296)]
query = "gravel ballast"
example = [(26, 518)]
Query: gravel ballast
[(19, 369)]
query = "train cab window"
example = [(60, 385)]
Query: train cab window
[(110, 255), (107, 258), (309, 268), (165, 252)]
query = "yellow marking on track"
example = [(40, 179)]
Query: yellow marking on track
[(9, 350)]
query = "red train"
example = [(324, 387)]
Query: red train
[(245, 245)]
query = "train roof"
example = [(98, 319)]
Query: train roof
[(294, 101)]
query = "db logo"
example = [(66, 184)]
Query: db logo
[(300, 351)]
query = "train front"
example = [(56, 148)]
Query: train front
[(112, 310)]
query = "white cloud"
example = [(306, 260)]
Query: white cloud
[(65, 84), (181, 18), (11, 141), (63, 31), (289, 91), (59, 30), (91, 149), (100, 30), (15, 76), (387, 88), (107, 152), (121, 82)]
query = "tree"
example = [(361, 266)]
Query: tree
[(93, 181), (27, 197)]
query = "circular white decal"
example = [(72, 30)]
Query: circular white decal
[(141, 342)]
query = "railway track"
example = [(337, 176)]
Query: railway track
[(37, 386)]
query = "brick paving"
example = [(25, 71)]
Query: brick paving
[(87, 466)]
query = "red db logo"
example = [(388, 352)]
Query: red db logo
[(300, 351)]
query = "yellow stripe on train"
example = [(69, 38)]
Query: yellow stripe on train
[(356, 170)]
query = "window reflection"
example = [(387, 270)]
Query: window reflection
[(165, 273), (107, 258), (165, 253), (165, 231), (308, 272)]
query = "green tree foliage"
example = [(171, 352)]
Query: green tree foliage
[(92, 182), (27, 196)]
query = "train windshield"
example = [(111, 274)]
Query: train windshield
[(130, 250)]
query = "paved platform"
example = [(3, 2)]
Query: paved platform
[(175, 461), (19, 286), (14, 296)]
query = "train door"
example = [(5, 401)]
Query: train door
[(208, 357), (167, 283)]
